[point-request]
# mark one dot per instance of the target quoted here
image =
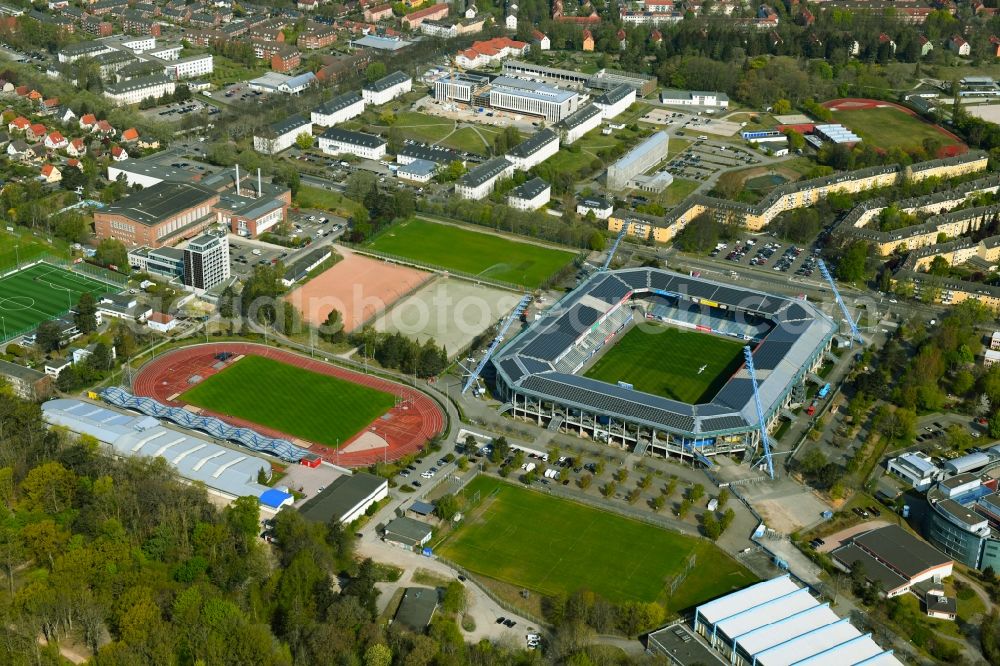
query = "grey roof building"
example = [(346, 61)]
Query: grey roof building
[(346, 498), (435, 154), (416, 610), (353, 138), (530, 189), (485, 172), (533, 144), (338, 103), (580, 117), (161, 201), (25, 382), (407, 532), (387, 82)]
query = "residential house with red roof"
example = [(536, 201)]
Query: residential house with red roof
[(55, 141), (434, 12), (36, 132), (74, 163), (19, 124), (588, 41), (88, 121), (76, 148), (119, 154), (958, 44), (995, 45), (104, 128), (130, 135), (50, 173)]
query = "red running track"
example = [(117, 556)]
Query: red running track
[(406, 427)]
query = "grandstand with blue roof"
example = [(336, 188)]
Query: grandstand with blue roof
[(537, 373)]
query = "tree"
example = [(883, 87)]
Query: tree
[(375, 71), (48, 337), (684, 508), (597, 241), (304, 141), (378, 654), (454, 598), (697, 492), (700, 235), (359, 184), (711, 526), (85, 316), (111, 252), (853, 262), (446, 507), (332, 328), (723, 498)]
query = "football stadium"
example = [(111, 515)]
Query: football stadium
[(644, 359)]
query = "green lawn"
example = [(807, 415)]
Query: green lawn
[(550, 545), (887, 127), (419, 126), (668, 361), (477, 253), (320, 199), (309, 405), (39, 293), (471, 140), (678, 190)]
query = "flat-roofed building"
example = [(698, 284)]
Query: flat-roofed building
[(916, 469), (530, 195), (575, 125), (407, 532), (460, 87), (640, 159), (206, 261), (532, 98), (615, 101), (387, 88), (480, 181), (347, 498), (159, 215), (419, 171), (717, 100), (281, 135), (534, 150), (335, 141), (339, 109)]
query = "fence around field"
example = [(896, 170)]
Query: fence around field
[(470, 277)]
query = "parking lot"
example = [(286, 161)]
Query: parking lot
[(238, 92), (771, 254), (178, 110), (702, 159)]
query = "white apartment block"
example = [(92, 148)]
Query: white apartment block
[(537, 148), (387, 88), (335, 141), (282, 135), (615, 101), (480, 181), (190, 68), (338, 110), (136, 90), (576, 125), (531, 195)]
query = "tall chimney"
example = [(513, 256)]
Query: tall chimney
[(260, 189), (238, 180)]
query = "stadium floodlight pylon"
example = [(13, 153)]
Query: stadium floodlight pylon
[(515, 313), (765, 442), (614, 247), (855, 333)]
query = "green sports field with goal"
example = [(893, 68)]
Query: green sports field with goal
[(555, 546), (316, 407), (42, 292), (683, 365)]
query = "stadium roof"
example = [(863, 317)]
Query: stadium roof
[(229, 471), (528, 363)]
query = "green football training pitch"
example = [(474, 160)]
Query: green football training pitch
[(552, 546), (666, 361), (315, 407), (474, 252), (889, 128), (40, 293)]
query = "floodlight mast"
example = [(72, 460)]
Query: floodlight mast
[(614, 247), (764, 440), (474, 375), (855, 333)]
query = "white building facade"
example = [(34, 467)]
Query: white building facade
[(135, 91), (531, 195), (387, 88), (282, 135), (335, 141), (338, 110), (479, 182)]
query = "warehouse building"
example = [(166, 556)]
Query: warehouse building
[(537, 148), (160, 215), (338, 110), (615, 101), (577, 124), (532, 98), (779, 623), (334, 141), (387, 88), (347, 498), (640, 159), (531, 195), (225, 472), (407, 533), (894, 559), (481, 180), (282, 135)]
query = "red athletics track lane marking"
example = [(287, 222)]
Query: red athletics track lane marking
[(405, 430)]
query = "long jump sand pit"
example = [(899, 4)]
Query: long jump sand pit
[(358, 286), (449, 310)]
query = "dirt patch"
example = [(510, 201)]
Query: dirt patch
[(358, 287)]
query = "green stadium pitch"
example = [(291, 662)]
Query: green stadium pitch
[(41, 292), (683, 365), (315, 407), (476, 253), (555, 546)]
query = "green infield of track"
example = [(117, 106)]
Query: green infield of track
[(668, 361), (305, 404), (555, 546), (473, 252), (42, 292), (889, 128)]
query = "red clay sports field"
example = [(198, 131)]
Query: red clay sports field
[(405, 428)]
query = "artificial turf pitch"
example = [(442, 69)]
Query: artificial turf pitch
[(473, 252), (668, 361), (313, 406), (555, 546), (42, 292)]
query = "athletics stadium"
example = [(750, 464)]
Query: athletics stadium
[(555, 372)]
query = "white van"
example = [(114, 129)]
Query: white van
[(255, 252)]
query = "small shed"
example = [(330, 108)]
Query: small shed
[(422, 508), (407, 532)]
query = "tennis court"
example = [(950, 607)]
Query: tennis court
[(39, 293)]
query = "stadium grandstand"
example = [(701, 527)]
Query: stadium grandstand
[(538, 374)]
